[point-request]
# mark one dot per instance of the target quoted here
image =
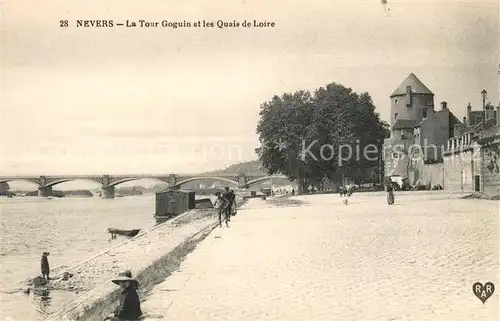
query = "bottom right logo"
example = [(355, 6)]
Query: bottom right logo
[(483, 292)]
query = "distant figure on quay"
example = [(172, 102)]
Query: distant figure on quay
[(390, 193), (45, 265)]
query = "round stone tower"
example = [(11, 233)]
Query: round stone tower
[(411, 102)]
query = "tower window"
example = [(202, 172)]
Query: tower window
[(396, 101), (395, 115), (424, 112)]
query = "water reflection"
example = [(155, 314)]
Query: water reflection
[(73, 229), (42, 299)]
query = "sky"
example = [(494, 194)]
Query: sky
[(162, 100)]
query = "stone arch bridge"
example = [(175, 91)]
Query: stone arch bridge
[(108, 182)]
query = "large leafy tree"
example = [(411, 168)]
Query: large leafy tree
[(310, 137), (284, 123), (347, 123)]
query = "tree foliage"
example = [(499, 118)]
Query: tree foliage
[(298, 130)]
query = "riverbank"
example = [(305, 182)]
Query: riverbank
[(151, 256), (157, 260), (71, 229)]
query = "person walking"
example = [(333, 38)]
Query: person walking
[(390, 193), (233, 203), (342, 191), (345, 198), (45, 265), (350, 190), (229, 196), (130, 304), (221, 204)]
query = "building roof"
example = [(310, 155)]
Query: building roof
[(417, 87), (490, 122), (435, 115), (490, 134), (452, 117), (405, 123)]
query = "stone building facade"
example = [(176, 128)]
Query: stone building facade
[(490, 156), (419, 134), (472, 157)]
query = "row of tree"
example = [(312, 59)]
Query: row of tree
[(308, 136)]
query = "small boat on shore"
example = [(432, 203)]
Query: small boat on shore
[(130, 233)]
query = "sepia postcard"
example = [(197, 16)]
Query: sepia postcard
[(250, 160)]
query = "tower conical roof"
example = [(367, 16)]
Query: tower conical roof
[(417, 87)]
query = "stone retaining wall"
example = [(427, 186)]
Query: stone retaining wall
[(150, 256)]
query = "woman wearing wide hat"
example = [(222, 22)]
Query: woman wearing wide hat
[(130, 304)]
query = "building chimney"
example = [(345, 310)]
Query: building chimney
[(408, 96), (444, 105), (465, 121), (490, 111), (457, 131), (469, 111), (498, 114)]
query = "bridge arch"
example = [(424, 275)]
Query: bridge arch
[(215, 178), (19, 180), (265, 178), (130, 179), (60, 181)]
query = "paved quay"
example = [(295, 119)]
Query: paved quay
[(416, 260)]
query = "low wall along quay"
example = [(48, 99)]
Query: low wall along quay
[(151, 256)]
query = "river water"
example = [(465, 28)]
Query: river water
[(71, 229)]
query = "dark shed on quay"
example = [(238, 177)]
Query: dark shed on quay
[(174, 202)]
